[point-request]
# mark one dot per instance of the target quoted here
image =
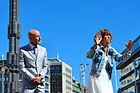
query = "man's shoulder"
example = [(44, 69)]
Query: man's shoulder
[(24, 47), (41, 47)]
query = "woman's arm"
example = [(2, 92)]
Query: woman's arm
[(92, 50), (118, 57)]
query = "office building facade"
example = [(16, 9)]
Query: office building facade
[(130, 70), (47, 82), (76, 87), (60, 76)]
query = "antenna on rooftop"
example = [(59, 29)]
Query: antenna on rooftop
[(57, 56)]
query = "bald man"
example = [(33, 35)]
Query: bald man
[(33, 64)]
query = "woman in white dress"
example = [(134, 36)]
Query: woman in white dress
[(103, 56)]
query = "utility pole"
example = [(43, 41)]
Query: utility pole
[(12, 85)]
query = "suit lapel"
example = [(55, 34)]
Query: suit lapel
[(38, 54), (38, 49), (30, 52)]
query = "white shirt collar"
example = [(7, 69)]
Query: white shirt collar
[(32, 46)]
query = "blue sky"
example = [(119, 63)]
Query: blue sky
[(67, 27)]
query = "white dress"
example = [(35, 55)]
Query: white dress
[(102, 84)]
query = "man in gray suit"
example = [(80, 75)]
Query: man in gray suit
[(33, 64)]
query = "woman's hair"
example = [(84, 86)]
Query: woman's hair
[(102, 33), (105, 32)]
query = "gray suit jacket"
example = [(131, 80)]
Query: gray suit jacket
[(30, 65)]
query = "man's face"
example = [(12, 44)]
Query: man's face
[(35, 38)]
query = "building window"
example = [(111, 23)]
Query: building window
[(122, 82), (64, 74), (47, 73), (59, 67), (128, 81), (53, 86), (55, 73), (68, 88), (60, 73), (68, 70), (47, 86), (59, 86), (68, 76), (126, 69), (67, 81), (51, 73), (60, 80), (46, 79), (52, 67)]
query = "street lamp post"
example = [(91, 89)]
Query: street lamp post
[(6, 69), (2, 69), (82, 76)]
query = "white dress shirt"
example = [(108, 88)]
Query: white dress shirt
[(32, 47)]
